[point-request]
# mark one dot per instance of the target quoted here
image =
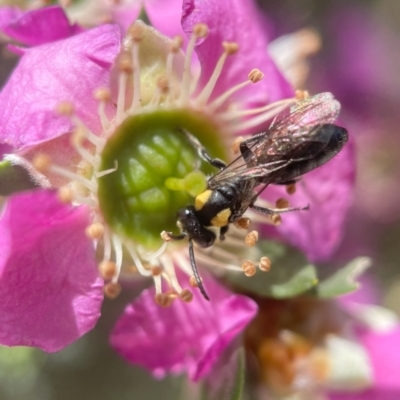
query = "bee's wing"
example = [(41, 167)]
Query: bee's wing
[(265, 153)]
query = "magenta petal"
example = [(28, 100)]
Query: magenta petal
[(372, 394), (383, 351), (237, 21), (36, 27), (66, 70), (184, 337), (168, 22), (328, 191), (51, 293)]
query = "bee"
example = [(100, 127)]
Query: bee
[(299, 140)]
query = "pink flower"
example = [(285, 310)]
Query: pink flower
[(71, 69), (181, 339)]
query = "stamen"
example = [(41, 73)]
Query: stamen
[(199, 31), (163, 299), (243, 223), (107, 269), (186, 295), (136, 33), (265, 264), (156, 270), (236, 145), (229, 49), (193, 282), (107, 245), (249, 268), (112, 290), (95, 231), (254, 76), (42, 162), (301, 94), (65, 194), (161, 89), (175, 47), (103, 95), (156, 253), (170, 271), (282, 203), (291, 189), (276, 219), (251, 238), (77, 139), (157, 283), (273, 110), (125, 67), (66, 108), (118, 257), (142, 270), (107, 171)]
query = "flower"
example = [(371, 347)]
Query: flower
[(194, 336), (153, 91), (315, 349)]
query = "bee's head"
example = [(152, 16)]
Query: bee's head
[(189, 223)]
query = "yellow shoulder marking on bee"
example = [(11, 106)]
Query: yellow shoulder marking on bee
[(221, 219), (202, 199)]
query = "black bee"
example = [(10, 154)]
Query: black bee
[(299, 140)]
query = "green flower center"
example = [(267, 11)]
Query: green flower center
[(141, 197)]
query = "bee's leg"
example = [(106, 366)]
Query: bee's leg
[(246, 153), (182, 236), (171, 236), (201, 151), (196, 272), (269, 211), (223, 231)]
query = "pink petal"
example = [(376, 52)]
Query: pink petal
[(372, 394), (66, 70), (328, 190), (184, 337), (36, 27), (125, 13), (240, 22), (168, 22), (51, 291), (385, 358)]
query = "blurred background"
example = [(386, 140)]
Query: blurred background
[(359, 61)]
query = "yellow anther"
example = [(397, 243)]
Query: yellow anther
[(265, 264), (125, 63), (249, 268), (112, 290), (200, 30), (276, 219), (251, 238), (65, 108), (163, 84), (243, 223), (42, 162), (255, 75), (102, 94), (95, 231), (136, 32), (290, 189), (186, 295), (282, 203), (193, 282), (156, 270), (164, 236), (65, 194), (77, 137), (301, 94), (107, 269), (176, 44), (236, 145), (230, 47), (163, 299)]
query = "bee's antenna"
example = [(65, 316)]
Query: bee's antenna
[(195, 271)]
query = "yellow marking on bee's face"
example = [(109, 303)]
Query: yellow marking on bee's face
[(221, 219), (202, 199)]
